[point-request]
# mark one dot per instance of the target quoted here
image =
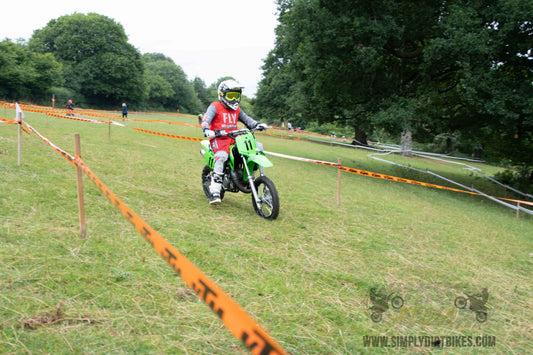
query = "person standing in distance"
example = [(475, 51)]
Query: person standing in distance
[(124, 110), (224, 114)]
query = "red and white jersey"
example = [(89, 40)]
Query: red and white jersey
[(218, 116)]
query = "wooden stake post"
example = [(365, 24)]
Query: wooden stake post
[(339, 183), (79, 175)]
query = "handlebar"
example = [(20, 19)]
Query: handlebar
[(222, 132)]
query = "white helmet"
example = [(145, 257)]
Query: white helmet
[(229, 93)]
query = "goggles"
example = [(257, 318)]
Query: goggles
[(232, 96)]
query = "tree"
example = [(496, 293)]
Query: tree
[(204, 95), (427, 67), (97, 59), (182, 95), (498, 95), (272, 99), (24, 74)]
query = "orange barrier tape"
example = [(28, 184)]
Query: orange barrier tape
[(414, 182), (168, 135), (161, 121), (5, 120), (234, 318), (65, 155), (394, 178), (389, 177), (25, 130), (86, 112), (75, 118), (520, 202), (55, 111), (351, 170)]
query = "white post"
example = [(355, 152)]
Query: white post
[(19, 123)]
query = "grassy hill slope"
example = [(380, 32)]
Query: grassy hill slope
[(305, 277)]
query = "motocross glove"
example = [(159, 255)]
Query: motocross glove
[(209, 133), (262, 126)]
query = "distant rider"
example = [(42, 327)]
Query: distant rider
[(224, 115), (70, 107)]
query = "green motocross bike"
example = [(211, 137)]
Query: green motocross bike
[(246, 159)]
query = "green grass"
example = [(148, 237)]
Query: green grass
[(304, 277)]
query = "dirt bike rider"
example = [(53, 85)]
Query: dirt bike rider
[(224, 115)]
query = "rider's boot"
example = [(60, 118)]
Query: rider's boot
[(214, 189)]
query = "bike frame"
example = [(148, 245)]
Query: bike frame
[(250, 151)]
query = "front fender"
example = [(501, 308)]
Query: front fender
[(262, 160)]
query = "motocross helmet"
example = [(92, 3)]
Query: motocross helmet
[(229, 93)]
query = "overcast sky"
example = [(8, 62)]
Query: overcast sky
[(206, 38)]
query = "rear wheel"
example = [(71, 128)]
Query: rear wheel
[(206, 182), (460, 302), (268, 206)]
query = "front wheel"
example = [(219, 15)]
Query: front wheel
[(481, 316), (268, 206), (397, 302)]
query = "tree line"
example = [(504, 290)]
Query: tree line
[(455, 71), (455, 75), (87, 59)]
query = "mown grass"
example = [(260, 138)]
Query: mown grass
[(304, 277)]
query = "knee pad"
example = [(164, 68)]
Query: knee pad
[(220, 159)]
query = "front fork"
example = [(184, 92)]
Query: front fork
[(251, 180)]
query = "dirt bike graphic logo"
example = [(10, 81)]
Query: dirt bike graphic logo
[(380, 303), (476, 303)]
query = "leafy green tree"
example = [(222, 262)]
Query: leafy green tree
[(272, 99), (428, 67), (97, 59), (157, 90), (24, 74), (183, 95), (203, 93), (497, 96)]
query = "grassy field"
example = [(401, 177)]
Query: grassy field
[(305, 277)]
